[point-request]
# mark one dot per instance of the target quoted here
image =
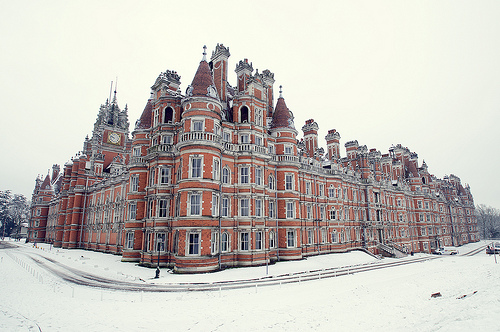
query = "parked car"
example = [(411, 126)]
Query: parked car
[(493, 249), (445, 251)]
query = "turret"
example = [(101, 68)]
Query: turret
[(351, 148), (333, 144), (243, 71), (310, 130), (268, 79), (218, 63)]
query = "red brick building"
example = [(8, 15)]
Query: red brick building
[(216, 178)]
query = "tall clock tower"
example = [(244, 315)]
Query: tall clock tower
[(110, 140)]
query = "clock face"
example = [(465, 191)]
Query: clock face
[(114, 138)]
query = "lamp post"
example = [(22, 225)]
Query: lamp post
[(157, 275)]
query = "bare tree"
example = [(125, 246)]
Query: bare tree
[(14, 209), (488, 221)]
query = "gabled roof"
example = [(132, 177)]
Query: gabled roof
[(46, 183)]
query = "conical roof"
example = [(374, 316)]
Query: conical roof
[(144, 121), (202, 80), (282, 117)]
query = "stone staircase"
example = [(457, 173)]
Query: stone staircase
[(392, 250)]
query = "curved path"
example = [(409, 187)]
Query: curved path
[(79, 277)]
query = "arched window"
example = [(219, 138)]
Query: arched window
[(271, 184), (225, 242), (334, 236), (168, 115), (244, 114), (272, 239)]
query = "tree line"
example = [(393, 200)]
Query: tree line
[(488, 221), (14, 209)]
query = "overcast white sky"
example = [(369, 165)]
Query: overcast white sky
[(425, 74)]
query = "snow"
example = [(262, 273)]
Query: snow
[(396, 298)]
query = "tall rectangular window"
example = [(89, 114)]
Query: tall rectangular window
[(214, 243), (195, 202), (258, 208), (244, 175), (244, 241), (162, 208), (151, 209), (258, 176), (258, 240), (225, 207), (226, 137), (244, 207), (160, 241), (132, 210), (289, 210), (290, 238), (164, 175), (130, 240), (272, 239), (134, 183), (225, 175), (215, 205), (216, 169), (194, 244), (178, 205), (288, 181), (152, 173), (272, 209), (308, 188), (196, 167), (288, 150), (156, 117)]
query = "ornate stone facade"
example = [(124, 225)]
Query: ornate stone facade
[(217, 178)]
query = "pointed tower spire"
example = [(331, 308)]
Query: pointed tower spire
[(204, 53), (110, 91), (116, 84)]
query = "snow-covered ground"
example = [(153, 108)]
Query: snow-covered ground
[(391, 299)]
